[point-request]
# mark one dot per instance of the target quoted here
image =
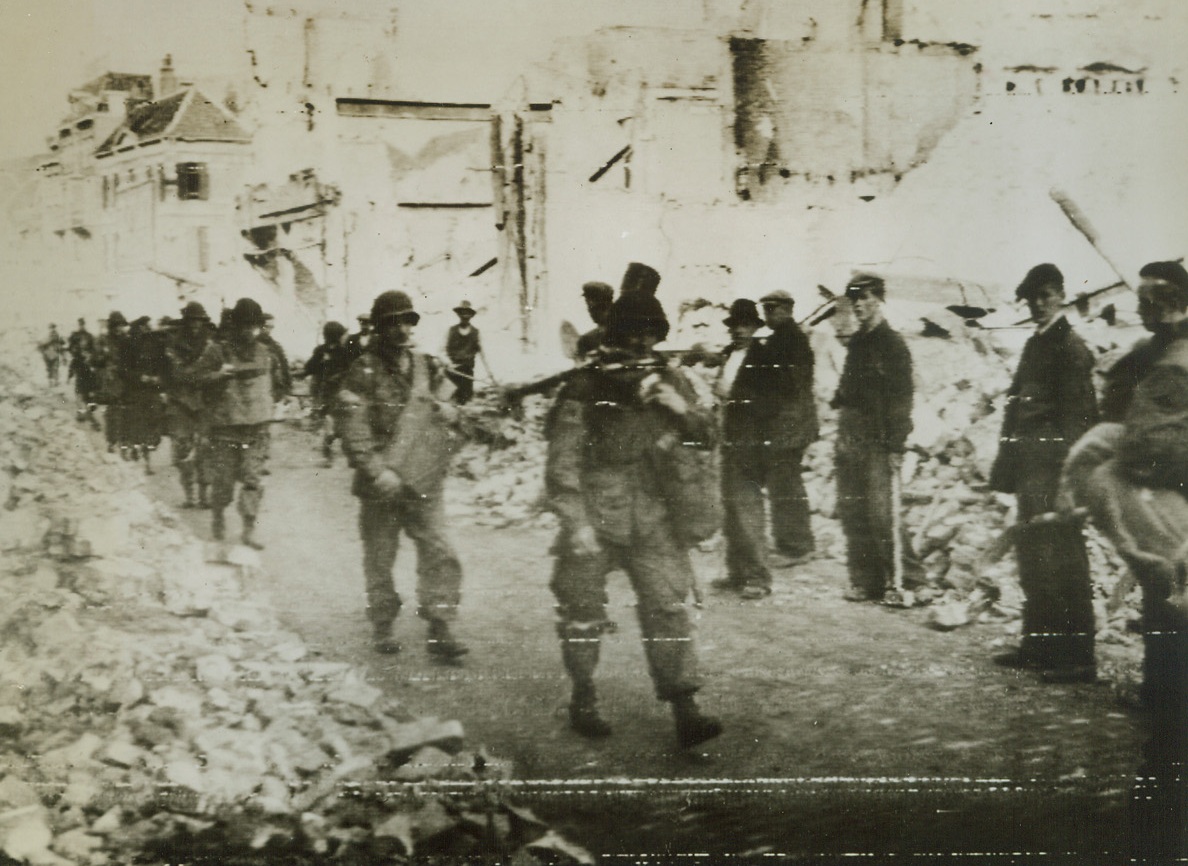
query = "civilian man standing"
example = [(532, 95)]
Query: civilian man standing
[(874, 402), (794, 428), (1050, 405), (394, 433), (748, 410)]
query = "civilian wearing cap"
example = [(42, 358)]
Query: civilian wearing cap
[(185, 412), (598, 297), (463, 346), (874, 403), (602, 478), (237, 374), (745, 388), (1050, 404), (794, 426), (394, 433)]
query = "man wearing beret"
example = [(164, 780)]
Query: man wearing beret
[(607, 432), (1050, 404), (874, 403), (794, 428), (395, 436)]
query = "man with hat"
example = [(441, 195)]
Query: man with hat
[(462, 347), (186, 411), (396, 435), (745, 388), (608, 432), (237, 375), (874, 403), (361, 339), (598, 297), (1050, 404), (793, 428)]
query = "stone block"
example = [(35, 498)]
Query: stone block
[(409, 737)]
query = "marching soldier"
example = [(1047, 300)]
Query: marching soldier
[(237, 375), (610, 425), (394, 432), (186, 412)]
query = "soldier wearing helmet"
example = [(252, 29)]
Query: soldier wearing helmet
[(237, 376), (396, 437)]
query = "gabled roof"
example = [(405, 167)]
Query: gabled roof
[(187, 115), (134, 83)]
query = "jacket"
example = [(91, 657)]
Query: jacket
[(874, 395), (1153, 450), (1050, 404), (245, 399), (389, 418), (608, 453)]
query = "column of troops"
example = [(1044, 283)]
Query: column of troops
[(641, 467)]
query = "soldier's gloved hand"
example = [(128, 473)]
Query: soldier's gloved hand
[(388, 483), (583, 542), (663, 394)]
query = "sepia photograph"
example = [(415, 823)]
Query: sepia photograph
[(548, 432)]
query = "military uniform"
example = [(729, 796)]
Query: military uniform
[(623, 501), (377, 426), (186, 410)]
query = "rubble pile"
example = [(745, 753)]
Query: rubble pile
[(151, 705)]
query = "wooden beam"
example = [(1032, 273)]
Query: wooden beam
[(355, 107)]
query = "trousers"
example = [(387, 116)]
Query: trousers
[(661, 575), (439, 572)]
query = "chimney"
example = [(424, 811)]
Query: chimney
[(168, 78)]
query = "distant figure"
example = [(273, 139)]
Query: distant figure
[(463, 345), (1050, 405), (81, 347), (326, 368), (144, 393), (186, 412), (361, 339), (52, 348), (112, 363), (598, 297), (238, 376)]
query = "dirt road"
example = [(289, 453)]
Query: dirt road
[(849, 728)]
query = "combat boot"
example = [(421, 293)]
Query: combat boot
[(584, 717), (382, 641), (442, 644), (203, 502), (218, 525), (249, 534), (692, 727), (580, 649)]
